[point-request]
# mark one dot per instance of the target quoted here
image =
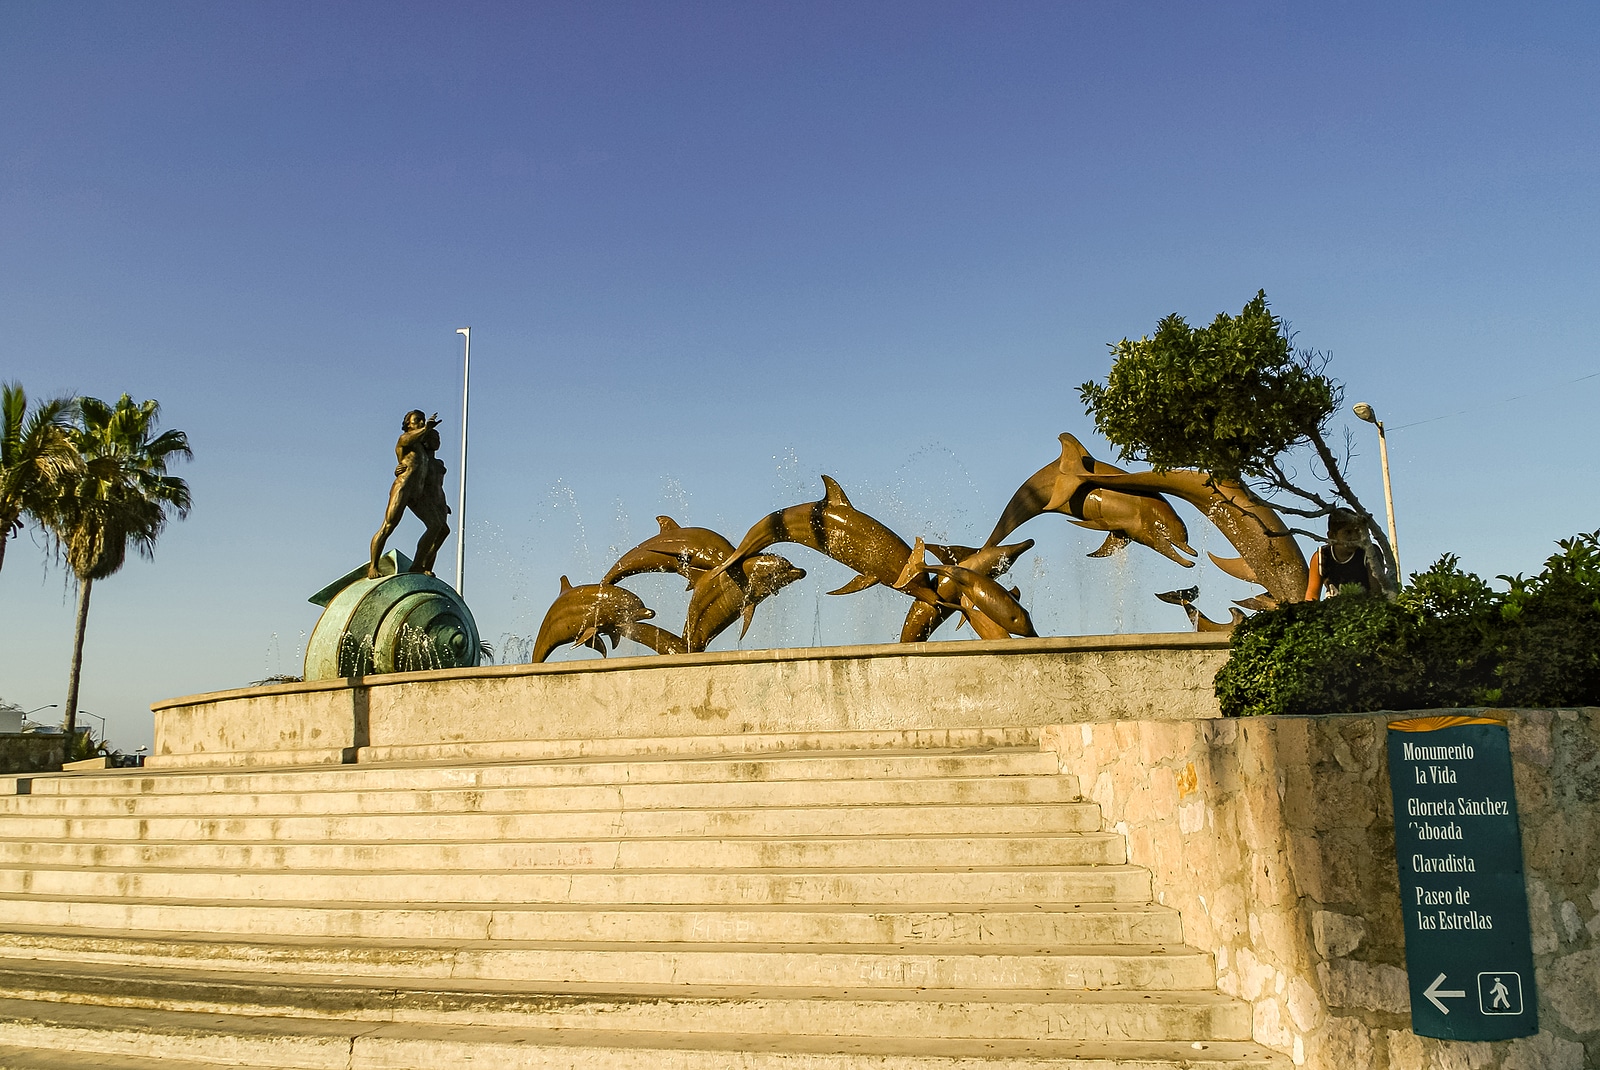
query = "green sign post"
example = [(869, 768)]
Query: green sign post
[(1462, 893)]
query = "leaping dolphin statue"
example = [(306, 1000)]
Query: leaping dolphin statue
[(1266, 546), (584, 615), (658, 639), (1070, 485), (720, 600), (922, 619), (976, 591), (686, 551), (838, 529), (1198, 620)]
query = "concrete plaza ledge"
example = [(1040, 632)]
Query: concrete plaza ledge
[(920, 694)]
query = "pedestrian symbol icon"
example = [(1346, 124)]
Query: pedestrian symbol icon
[(1500, 992)]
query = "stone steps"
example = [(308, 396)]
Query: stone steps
[(644, 1006), (1004, 886), (896, 909), (35, 917), (249, 1042), (424, 826), (1001, 966), (745, 853), (659, 770), (950, 791)]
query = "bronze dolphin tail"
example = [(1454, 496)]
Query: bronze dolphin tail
[(658, 639), (1237, 567), (1203, 623), (581, 615), (1198, 620)]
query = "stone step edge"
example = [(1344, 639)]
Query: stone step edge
[(335, 1046), (379, 993), (867, 1016), (95, 917), (26, 786), (85, 945), (899, 765), (615, 746), (1081, 870), (708, 840), (389, 907)]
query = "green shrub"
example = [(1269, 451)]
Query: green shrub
[(1446, 640)]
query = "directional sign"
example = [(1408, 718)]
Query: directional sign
[(1462, 893)]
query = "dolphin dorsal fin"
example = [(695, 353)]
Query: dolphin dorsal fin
[(566, 584), (832, 492), (667, 524), (1074, 458)]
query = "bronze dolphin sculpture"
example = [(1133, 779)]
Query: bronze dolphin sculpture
[(922, 620), (583, 615), (1070, 486), (658, 639), (838, 529), (1255, 529), (1198, 620), (686, 551), (997, 614), (720, 600)]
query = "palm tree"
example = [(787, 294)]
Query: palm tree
[(37, 456), (122, 496)]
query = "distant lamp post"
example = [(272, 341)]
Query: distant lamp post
[(461, 504), (30, 713), (1364, 411), (96, 716)]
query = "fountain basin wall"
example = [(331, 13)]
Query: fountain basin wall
[(915, 691)]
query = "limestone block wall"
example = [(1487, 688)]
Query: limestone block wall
[(1275, 838), (31, 753)]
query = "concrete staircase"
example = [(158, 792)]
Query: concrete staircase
[(926, 908)]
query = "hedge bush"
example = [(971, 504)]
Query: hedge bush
[(1446, 640)]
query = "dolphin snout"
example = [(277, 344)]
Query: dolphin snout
[(646, 613)]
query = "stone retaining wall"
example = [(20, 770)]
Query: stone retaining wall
[(31, 753), (500, 711), (1275, 838)]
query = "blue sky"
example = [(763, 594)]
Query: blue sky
[(711, 251)]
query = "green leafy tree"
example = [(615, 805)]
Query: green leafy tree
[(1235, 399), (37, 457), (121, 498)]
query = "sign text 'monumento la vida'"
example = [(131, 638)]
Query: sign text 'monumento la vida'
[(1462, 893)]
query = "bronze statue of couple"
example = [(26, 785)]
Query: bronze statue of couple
[(418, 486)]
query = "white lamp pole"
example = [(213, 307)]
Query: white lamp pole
[(1364, 411), (461, 505)]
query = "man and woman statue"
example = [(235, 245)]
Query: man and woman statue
[(418, 486)]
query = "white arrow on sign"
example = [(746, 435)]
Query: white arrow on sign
[(1437, 994)]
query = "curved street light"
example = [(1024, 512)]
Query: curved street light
[(1364, 411)]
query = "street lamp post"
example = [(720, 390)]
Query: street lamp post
[(1364, 411), (30, 713), (461, 504)]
